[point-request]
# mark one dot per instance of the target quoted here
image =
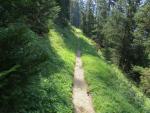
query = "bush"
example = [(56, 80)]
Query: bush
[(144, 78), (36, 14), (19, 45)]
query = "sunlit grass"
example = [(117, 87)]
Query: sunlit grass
[(110, 89), (48, 87), (63, 44)]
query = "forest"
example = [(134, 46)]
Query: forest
[(40, 45), (121, 30)]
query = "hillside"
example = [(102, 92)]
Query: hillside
[(75, 56), (46, 86), (112, 92), (48, 89)]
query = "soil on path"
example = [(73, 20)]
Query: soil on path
[(81, 99)]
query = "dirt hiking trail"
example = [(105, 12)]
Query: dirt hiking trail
[(81, 99)]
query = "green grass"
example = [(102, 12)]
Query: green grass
[(64, 44), (111, 90), (43, 82), (44, 87)]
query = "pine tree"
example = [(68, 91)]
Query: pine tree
[(142, 36), (75, 13), (35, 14), (64, 15)]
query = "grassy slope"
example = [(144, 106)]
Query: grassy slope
[(111, 91), (48, 90), (56, 76), (64, 45)]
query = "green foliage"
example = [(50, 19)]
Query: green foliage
[(19, 45), (64, 14), (75, 12), (43, 82), (113, 32), (88, 18), (145, 78), (32, 74), (35, 14), (121, 30), (14, 68), (142, 34), (110, 89)]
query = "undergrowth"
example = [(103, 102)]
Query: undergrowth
[(38, 75), (42, 81)]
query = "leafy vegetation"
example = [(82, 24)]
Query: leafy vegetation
[(35, 14), (112, 92), (144, 75), (121, 30), (43, 82), (38, 46), (31, 70)]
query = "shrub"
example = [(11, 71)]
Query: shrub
[(144, 78), (19, 46)]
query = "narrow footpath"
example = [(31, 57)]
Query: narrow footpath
[(81, 99)]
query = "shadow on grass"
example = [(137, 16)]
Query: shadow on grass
[(32, 88), (69, 37)]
